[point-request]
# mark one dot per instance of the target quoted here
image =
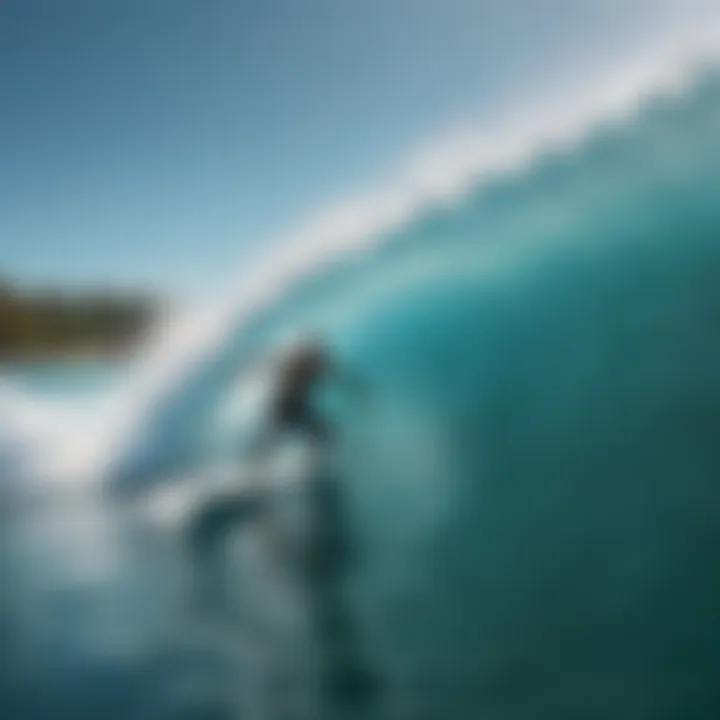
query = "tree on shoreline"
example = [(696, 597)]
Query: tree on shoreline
[(50, 323)]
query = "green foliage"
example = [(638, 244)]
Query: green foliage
[(37, 325)]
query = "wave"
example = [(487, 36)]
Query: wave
[(609, 158), (539, 460), (466, 205)]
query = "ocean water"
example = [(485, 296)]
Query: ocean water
[(64, 380), (532, 480)]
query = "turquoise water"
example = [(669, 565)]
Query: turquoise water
[(534, 483), (64, 380)]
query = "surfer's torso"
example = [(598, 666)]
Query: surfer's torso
[(305, 522)]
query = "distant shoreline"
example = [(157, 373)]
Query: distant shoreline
[(62, 327), (68, 358)]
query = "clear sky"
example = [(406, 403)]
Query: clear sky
[(165, 142)]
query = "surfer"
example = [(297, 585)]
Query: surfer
[(299, 372), (316, 552), (296, 375)]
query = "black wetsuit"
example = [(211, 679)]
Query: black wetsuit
[(292, 408), (290, 411), (321, 557)]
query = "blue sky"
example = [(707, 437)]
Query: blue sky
[(167, 142)]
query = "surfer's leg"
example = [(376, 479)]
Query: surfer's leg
[(205, 542), (349, 681), (207, 582)]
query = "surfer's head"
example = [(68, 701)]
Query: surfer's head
[(308, 357)]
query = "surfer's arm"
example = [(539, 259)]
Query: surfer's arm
[(217, 512), (211, 519)]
